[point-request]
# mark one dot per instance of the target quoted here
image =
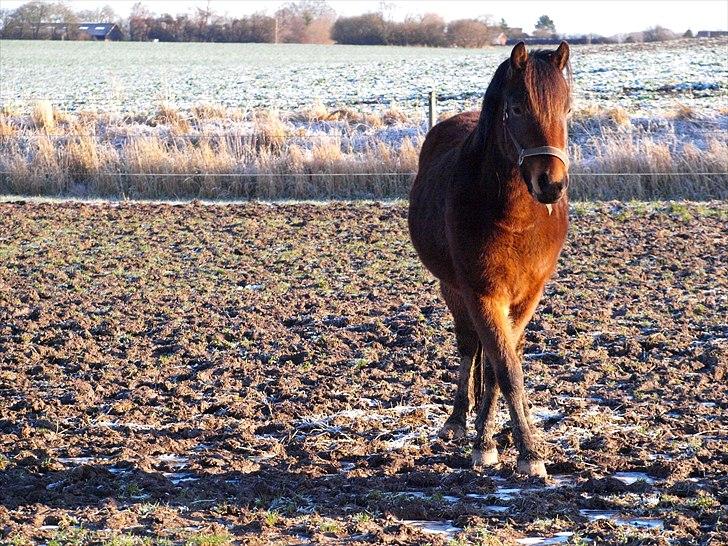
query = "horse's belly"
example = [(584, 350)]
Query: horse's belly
[(432, 249)]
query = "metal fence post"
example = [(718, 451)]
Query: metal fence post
[(433, 109)]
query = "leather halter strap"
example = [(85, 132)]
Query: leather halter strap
[(527, 152)]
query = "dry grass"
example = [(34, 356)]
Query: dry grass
[(169, 115), (174, 154), (684, 112), (270, 131), (594, 113), (627, 168), (208, 110), (42, 116)]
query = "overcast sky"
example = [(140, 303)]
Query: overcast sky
[(605, 17)]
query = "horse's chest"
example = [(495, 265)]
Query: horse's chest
[(520, 260)]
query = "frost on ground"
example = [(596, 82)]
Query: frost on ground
[(132, 77), (277, 373)]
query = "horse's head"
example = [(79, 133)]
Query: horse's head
[(534, 104)]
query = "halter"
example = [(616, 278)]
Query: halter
[(527, 152)]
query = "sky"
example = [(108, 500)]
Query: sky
[(606, 17)]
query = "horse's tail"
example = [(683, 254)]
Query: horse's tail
[(479, 376)]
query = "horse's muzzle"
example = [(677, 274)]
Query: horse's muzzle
[(548, 191)]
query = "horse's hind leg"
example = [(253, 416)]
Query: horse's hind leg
[(469, 372), (519, 353)]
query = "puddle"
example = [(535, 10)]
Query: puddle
[(179, 477), (646, 523), (489, 507), (558, 538), (629, 478), (174, 461), (594, 515), (612, 515), (442, 528), (507, 493), (433, 496), (77, 460)]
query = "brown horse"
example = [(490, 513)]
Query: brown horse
[(488, 218)]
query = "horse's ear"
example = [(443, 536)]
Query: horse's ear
[(519, 56), (561, 57)]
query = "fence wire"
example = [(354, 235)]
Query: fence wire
[(308, 175)]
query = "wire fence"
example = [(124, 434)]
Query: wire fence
[(353, 174), (411, 131)]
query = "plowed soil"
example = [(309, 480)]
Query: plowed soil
[(277, 374)]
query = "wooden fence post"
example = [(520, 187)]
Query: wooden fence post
[(433, 109)]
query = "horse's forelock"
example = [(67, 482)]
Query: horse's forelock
[(546, 85)]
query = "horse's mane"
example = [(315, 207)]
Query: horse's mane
[(544, 83)]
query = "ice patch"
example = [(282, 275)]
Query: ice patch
[(174, 461), (612, 515), (546, 414), (179, 477), (432, 496), (558, 538), (78, 460), (629, 478), (443, 528)]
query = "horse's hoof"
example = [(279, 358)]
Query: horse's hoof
[(488, 457), (452, 431), (532, 468)]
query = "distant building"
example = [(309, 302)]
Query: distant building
[(66, 31), (712, 33), (101, 31)]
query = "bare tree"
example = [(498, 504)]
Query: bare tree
[(307, 21), (139, 22), (470, 33)]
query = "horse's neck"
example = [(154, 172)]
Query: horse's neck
[(497, 181)]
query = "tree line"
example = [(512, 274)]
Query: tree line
[(304, 21)]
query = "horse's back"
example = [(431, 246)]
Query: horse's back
[(438, 157), (441, 141)]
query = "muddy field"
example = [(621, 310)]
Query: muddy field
[(277, 374)]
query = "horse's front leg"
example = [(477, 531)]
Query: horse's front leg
[(485, 452), (520, 316), (491, 317)]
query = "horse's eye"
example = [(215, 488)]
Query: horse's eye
[(517, 109)]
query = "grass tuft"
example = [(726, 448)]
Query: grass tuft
[(42, 116)]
